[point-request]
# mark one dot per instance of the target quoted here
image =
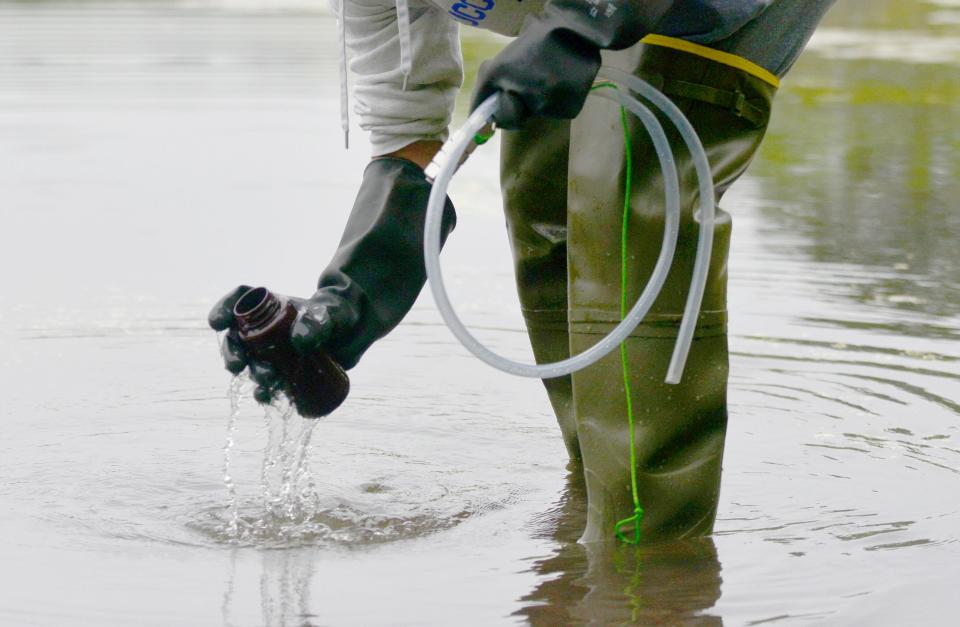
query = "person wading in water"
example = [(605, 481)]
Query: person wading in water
[(563, 172)]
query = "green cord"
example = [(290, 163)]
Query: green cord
[(637, 510), (628, 180)]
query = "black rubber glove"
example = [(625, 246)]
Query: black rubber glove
[(307, 333), (370, 284), (548, 70)]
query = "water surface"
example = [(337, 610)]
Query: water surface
[(154, 154)]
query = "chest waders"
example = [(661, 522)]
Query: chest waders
[(563, 185)]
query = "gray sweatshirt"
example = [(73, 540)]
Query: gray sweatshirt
[(406, 61)]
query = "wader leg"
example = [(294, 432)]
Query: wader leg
[(680, 429), (533, 178)]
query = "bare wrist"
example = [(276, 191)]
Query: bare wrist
[(419, 152)]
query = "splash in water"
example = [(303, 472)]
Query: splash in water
[(233, 509), (286, 480), (284, 508), (288, 504)]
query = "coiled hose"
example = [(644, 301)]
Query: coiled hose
[(445, 163)]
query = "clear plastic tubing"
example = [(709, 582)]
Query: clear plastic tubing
[(444, 165)]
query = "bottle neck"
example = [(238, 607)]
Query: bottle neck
[(256, 308)]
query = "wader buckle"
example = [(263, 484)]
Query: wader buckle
[(733, 101), (738, 104)]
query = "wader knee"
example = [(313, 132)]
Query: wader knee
[(680, 429)]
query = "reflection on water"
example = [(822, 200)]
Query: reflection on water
[(283, 587), (137, 140), (863, 161), (599, 583)]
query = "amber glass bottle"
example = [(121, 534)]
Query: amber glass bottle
[(315, 382)]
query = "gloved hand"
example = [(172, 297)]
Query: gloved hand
[(548, 70), (370, 284), (311, 329)]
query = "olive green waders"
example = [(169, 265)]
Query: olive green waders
[(563, 186)]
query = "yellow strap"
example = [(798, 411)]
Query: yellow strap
[(714, 55)]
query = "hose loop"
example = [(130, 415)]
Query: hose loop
[(444, 165)]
